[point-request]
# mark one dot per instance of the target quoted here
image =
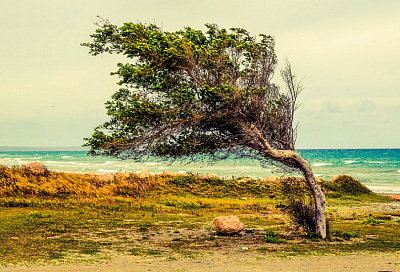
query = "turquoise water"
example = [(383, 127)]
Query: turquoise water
[(378, 169)]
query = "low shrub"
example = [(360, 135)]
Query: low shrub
[(350, 185), (298, 203)]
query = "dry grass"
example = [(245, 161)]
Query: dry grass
[(59, 217)]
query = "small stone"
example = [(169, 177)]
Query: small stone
[(319, 179), (272, 178), (120, 175), (106, 177), (144, 173), (209, 176), (244, 180), (333, 178), (228, 225), (92, 174), (245, 248), (168, 173)]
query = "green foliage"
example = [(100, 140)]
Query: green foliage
[(271, 237), (349, 185), (373, 221), (190, 93)]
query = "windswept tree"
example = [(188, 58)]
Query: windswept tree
[(190, 94)]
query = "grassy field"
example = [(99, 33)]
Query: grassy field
[(60, 217)]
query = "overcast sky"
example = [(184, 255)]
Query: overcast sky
[(347, 52)]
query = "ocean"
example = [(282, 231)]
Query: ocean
[(378, 169)]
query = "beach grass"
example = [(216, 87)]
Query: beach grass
[(61, 217)]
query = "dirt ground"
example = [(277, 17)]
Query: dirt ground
[(230, 263)]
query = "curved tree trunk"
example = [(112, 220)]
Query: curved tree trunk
[(319, 198), (304, 166)]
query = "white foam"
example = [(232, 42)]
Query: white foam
[(21, 161), (57, 162), (398, 171), (109, 162), (84, 164), (375, 162), (107, 170), (152, 163), (318, 164), (64, 157), (348, 162)]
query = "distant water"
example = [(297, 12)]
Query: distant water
[(378, 169)]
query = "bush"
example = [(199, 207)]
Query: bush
[(271, 237), (298, 202), (349, 185)]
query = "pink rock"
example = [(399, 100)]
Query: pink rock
[(228, 225), (36, 168)]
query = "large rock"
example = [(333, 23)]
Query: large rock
[(227, 225), (36, 168), (144, 173)]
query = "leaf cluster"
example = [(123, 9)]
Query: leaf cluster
[(192, 93)]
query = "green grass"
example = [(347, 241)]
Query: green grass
[(173, 220)]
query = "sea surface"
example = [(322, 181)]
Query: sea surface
[(378, 169)]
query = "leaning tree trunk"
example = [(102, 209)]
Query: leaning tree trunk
[(319, 197)]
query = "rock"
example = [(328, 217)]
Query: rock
[(333, 178), (244, 180), (120, 175), (272, 178), (36, 168), (209, 176), (144, 173), (168, 173), (106, 177), (227, 225), (92, 174), (319, 179), (395, 197)]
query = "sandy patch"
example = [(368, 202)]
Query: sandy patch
[(238, 262)]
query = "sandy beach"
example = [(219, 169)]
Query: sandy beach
[(232, 263)]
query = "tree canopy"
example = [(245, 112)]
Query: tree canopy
[(189, 93), (199, 94)]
